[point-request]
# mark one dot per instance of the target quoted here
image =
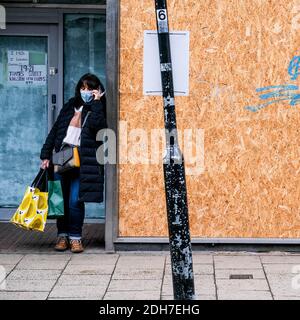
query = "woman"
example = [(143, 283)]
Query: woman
[(84, 184)]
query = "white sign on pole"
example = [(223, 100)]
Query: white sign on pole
[(179, 41), (21, 72)]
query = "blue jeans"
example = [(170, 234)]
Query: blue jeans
[(71, 223)]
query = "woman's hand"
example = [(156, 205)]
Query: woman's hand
[(45, 164), (97, 94)]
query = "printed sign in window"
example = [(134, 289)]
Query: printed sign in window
[(26, 68)]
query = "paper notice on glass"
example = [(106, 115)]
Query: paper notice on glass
[(18, 57), (179, 41), (26, 68)]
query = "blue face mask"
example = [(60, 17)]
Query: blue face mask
[(86, 96)]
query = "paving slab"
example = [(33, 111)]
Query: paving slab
[(136, 274), (167, 290), (77, 299), (151, 262), (236, 253), (135, 285), (285, 284), (77, 292), (86, 280), (237, 262), (244, 295), (10, 258), (8, 268), (286, 298), (200, 296), (4, 295), (42, 265), (281, 268), (242, 285), (48, 257), (95, 250), (204, 285), (132, 295), (167, 297), (289, 259), (28, 274), (225, 273), (29, 285), (94, 259), (89, 269), (277, 253)]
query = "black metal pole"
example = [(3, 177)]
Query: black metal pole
[(174, 172)]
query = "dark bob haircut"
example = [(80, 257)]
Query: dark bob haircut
[(93, 83)]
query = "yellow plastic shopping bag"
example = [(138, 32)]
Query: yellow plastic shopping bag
[(32, 212)]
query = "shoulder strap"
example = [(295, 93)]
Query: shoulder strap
[(85, 119), (84, 122)]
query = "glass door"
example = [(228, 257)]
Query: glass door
[(27, 54), (84, 51)]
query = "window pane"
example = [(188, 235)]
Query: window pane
[(84, 49), (24, 116)]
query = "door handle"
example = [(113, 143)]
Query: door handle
[(53, 112), (53, 108)]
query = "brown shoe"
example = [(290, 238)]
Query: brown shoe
[(62, 244), (76, 246)]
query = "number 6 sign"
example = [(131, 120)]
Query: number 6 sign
[(162, 20)]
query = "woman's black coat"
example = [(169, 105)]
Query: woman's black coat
[(91, 172)]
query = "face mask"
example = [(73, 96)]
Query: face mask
[(87, 96)]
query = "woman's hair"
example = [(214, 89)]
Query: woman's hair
[(93, 83)]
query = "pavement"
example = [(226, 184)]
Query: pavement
[(35, 272)]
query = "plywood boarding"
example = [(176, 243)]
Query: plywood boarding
[(250, 186)]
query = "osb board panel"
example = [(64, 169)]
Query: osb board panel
[(250, 186)]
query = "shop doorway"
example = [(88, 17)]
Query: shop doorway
[(43, 53)]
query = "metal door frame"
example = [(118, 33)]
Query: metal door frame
[(32, 17), (30, 13)]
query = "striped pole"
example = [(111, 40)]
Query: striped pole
[(174, 172)]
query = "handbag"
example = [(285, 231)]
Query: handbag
[(68, 156), (55, 199), (32, 212)]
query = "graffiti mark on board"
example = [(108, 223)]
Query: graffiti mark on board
[(279, 93)]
